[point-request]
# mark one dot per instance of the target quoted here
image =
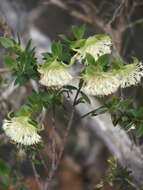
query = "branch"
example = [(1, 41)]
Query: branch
[(65, 138), (116, 13), (36, 176), (88, 113), (131, 25), (73, 13)]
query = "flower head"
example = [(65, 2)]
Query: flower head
[(131, 74), (54, 75), (97, 46), (102, 83), (21, 131)]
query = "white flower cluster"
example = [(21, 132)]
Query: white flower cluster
[(105, 83), (55, 77), (21, 131), (101, 84), (54, 74), (131, 74), (97, 46)]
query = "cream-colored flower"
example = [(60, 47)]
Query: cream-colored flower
[(55, 77), (54, 74), (97, 46), (102, 83), (21, 131), (131, 74)]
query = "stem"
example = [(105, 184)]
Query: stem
[(76, 96), (43, 161), (53, 117), (65, 138), (90, 112), (37, 177)]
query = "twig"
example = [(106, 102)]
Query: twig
[(117, 10), (43, 161), (53, 117), (2, 70), (65, 138), (55, 166), (54, 155), (69, 123), (88, 113), (36, 176), (94, 110), (139, 21), (73, 13)]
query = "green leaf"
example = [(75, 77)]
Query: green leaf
[(57, 49), (90, 59), (1, 80), (117, 64), (85, 97), (70, 87), (37, 162), (103, 60), (139, 113), (22, 79), (33, 122), (113, 101), (62, 36), (80, 83), (47, 56), (18, 39), (24, 111), (99, 111), (125, 104), (28, 45), (139, 25), (91, 69), (131, 113), (79, 31), (4, 168), (115, 119), (80, 100), (10, 61), (4, 181), (77, 44), (22, 187), (6, 42), (140, 131)]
